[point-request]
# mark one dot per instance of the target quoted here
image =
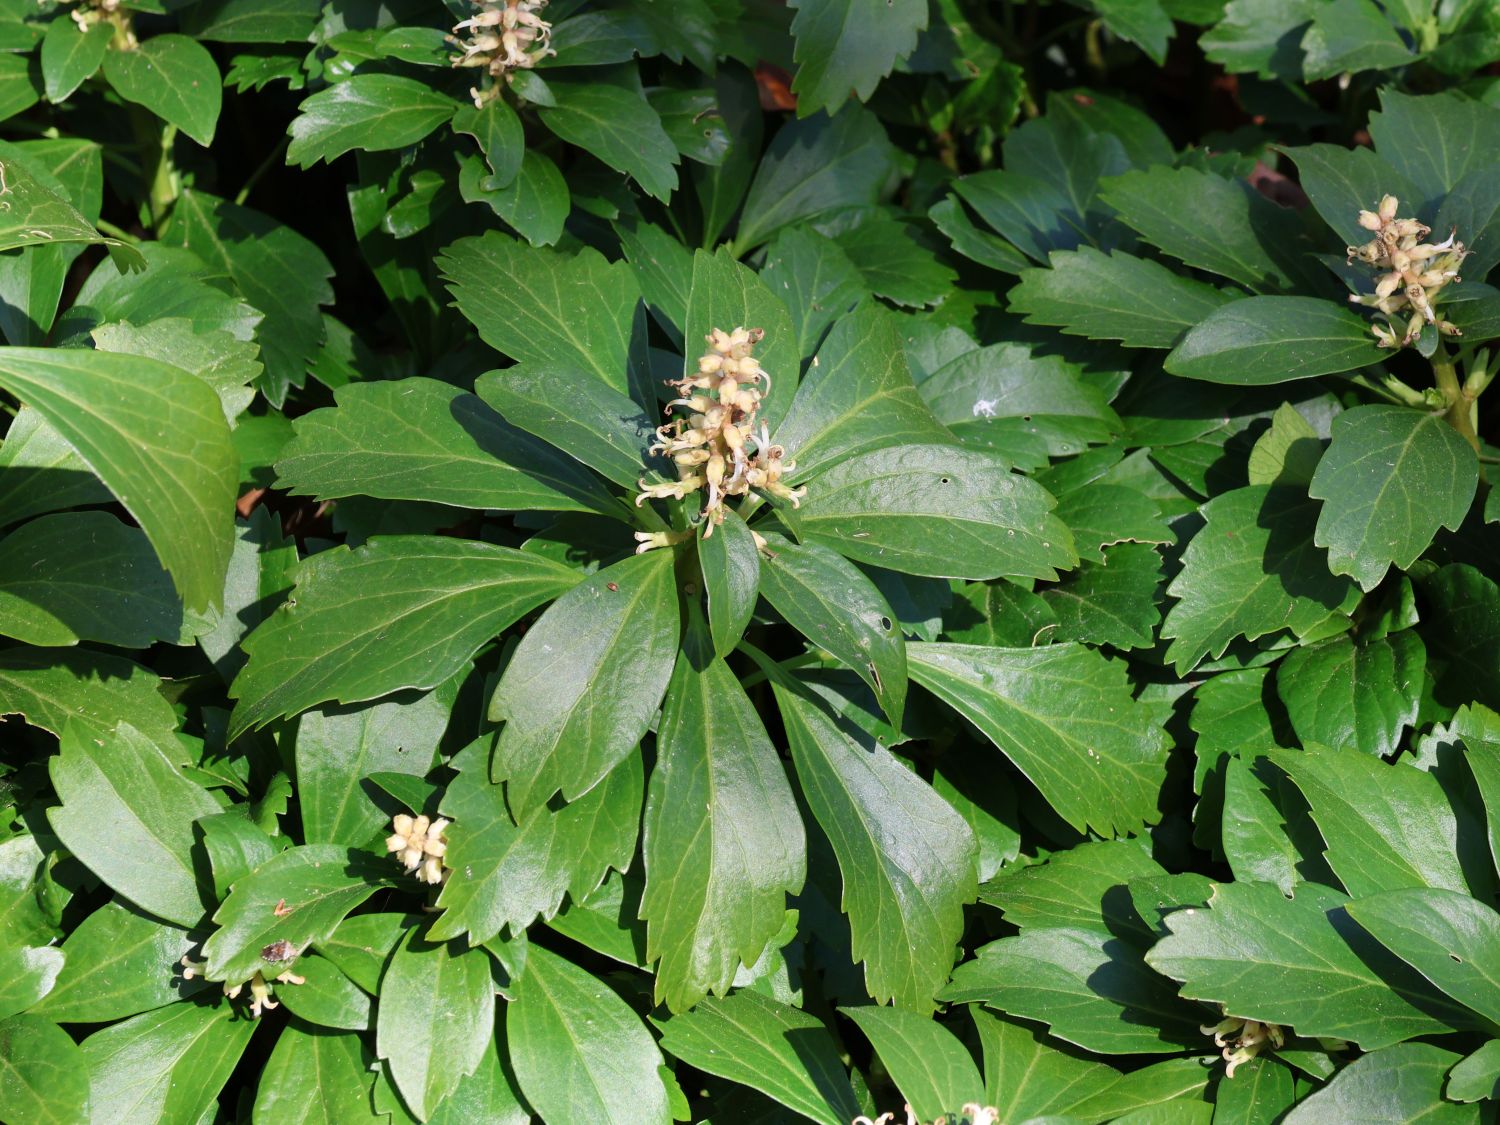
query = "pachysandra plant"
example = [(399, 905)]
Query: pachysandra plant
[(648, 562)]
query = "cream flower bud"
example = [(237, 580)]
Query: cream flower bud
[(1388, 207), (1370, 221)]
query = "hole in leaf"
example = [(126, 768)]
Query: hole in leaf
[(885, 623)]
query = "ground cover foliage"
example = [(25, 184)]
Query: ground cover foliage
[(1045, 668)]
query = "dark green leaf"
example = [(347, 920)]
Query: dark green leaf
[(314, 1077), (1111, 602), (118, 964), (1341, 693), (175, 78), (1462, 629), (731, 568), (845, 47), (71, 55), (368, 112), (1351, 35), (619, 127), (1261, 340), (1400, 1083)]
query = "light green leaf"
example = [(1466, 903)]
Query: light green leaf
[(1261, 340), (332, 639), (584, 682), (618, 126), (229, 365), (436, 1019), (722, 838), (109, 783), (27, 974), (70, 56), (1063, 714), (156, 436), (1103, 515), (1261, 37), (932, 1070), (815, 165), (1390, 478), (1026, 1076), (1250, 571), (907, 859), (1255, 838), (92, 690), (578, 1050), (175, 78), (114, 968), (845, 47), (1400, 1083), (327, 998), (1288, 452), (22, 919), (731, 565), (369, 112), (44, 1078), (504, 874), (1386, 826), (1114, 297), (1301, 963), (1344, 693), (419, 439), (830, 602), (772, 1047), (313, 1078), (546, 306), (298, 896), (1476, 1078), (86, 576), (1351, 35), (262, 570), (488, 1095), (857, 396), (935, 510), (361, 945)]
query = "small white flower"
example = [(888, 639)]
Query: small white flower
[(419, 844)]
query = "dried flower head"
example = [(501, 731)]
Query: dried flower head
[(1241, 1040), (420, 845), (260, 989), (1410, 273), (717, 446), (503, 36)]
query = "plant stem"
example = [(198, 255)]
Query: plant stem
[(261, 169), (156, 162), (109, 228), (1389, 388), (1458, 414)]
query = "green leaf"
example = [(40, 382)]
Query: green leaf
[(932, 1070), (227, 364), (1255, 837), (368, 112), (617, 125), (546, 306), (1434, 141), (1341, 182), (1089, 986), (497, 128), (727, 295), (1104, 515), (1251, 571), (857, 396), (830, 602), (1400, 1083), (1461, 629), (109, 782), (70, 56), (504, 874), (1298, 962), (535, 203), (156, 436), (1287, 453), (1477, 1077), (235, 845), (1343, 693), (1213, 223), (722, 838), (326, 997), (419, 439), (297, 896), (1362, 807), (1262, 340), (815, 165), (584, 682), (90, 689), (935, 510), (1390, 478), (907, 859), (166, 1065), (436, 1019), (1025, 1076), (1262, 1091), (175, 78), (1112, 602), (313, 1078), (579, 1052), (337, 748), (1143, 22), (1114, 297), (772, 1047), (361, 945), (1261, 37), (85, 576), (22, 919), (952, 218), (489, 1095), (19, 85), (262, 570), (331, 639), (1450, 938), (277, 270), (730, 564), (114, 968), (1063, 714), (817, 282), (599, 426), (897, 261), (251, 21), (44, 1079), (1351, 35), (30, 971), (845, 47)]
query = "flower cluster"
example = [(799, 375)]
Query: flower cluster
[(260, 988), (971, 1114), (1241, 1040), (717, 446), (421, 845), (504, 36), (1411, 273)]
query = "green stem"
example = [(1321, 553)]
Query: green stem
[(265, 166), (1458, 414), (109, 228), (155, 142), (800, 661), (1390, 388), (1093, 48)]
